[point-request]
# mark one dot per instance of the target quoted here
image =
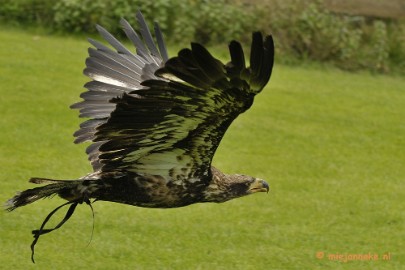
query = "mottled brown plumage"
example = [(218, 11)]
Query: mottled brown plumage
[(155, 123)]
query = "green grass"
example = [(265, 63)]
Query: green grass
[(331, 145)]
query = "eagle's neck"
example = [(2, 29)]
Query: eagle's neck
[(217, 188)]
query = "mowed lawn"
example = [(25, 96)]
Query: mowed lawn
[(330, 143)]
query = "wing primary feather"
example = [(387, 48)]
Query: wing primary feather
[(209, 65), (256, 53), (113, 70), (96, 96), (237, 56), (91, 123), (136, 40), (134, 59), (268, 60), (187, 58), (147, 36), (176, 67), (113, 41), (261, 61), (148, 72), (96, 86), (99, 45), (161, 43), (116, 60)]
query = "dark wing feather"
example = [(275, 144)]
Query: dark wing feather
[(173, 127), (114, 73), (237, 64), (261, 61)]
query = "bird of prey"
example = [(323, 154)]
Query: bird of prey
[(155, 122)]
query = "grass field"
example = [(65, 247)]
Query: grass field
[(331, 144)]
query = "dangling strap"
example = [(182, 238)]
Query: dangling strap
[(92, 229), (41, 231)]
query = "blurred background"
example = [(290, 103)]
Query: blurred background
[(350, 34)]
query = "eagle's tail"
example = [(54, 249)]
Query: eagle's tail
[(74, 191), (67, 189)]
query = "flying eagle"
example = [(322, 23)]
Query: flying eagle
[(155, 123)]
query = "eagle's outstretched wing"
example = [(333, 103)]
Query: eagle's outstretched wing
[(115, 73), (172, 124)]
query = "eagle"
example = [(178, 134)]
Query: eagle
[(155, 122)]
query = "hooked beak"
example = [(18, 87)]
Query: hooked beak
[(259, 185)]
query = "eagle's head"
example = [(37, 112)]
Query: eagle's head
[(224, 187)]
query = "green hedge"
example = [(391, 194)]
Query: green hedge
[(302, 29), (38, 12), (312, 32), (209, 21)]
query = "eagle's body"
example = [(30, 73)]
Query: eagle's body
[(155, 191), (155, 123)]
